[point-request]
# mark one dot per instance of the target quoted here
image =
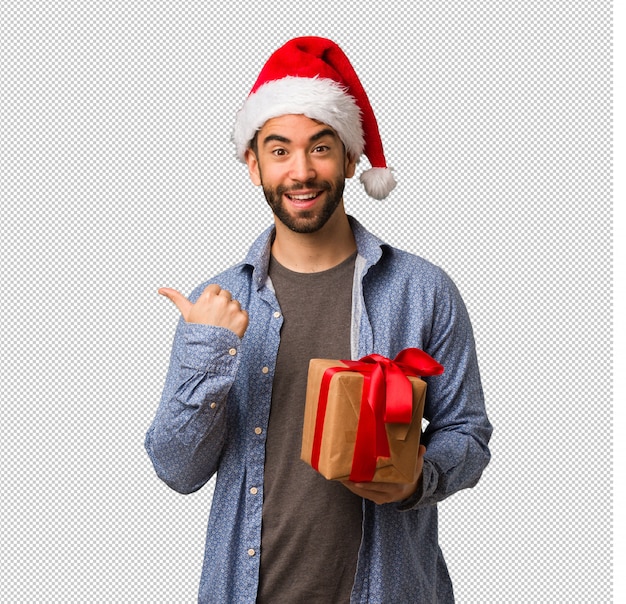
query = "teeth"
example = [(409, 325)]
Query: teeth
[(303, 197)]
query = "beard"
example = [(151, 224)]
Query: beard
[(306, 221)]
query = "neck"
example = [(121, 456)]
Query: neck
[(315, 252)]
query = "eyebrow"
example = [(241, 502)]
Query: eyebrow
[(283, 139)]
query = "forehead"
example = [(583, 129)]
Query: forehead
[(294, 127)]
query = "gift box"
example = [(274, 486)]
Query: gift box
[(362, 419)]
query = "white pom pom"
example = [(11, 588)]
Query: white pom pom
[(378, 182)]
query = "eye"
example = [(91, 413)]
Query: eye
[(279, 152), (321, 149)]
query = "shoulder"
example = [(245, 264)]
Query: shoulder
[(409, 261), (384, 258), (403, 266)]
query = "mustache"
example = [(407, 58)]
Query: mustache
[(309, 184)]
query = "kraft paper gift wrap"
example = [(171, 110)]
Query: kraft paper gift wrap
[(375, 399)]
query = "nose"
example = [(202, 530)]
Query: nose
[(301, 168)]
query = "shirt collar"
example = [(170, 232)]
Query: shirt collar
[(369, 247)]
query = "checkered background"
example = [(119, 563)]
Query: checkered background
[(118, 176)]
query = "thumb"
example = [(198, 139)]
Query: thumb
[(178, 299)]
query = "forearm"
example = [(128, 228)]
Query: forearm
[(187, 435), (452, 462)]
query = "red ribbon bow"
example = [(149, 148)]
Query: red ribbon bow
[(387, 397)]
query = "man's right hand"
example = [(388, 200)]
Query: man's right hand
[(215, 306)]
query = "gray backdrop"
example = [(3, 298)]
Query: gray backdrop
[(118, 176)]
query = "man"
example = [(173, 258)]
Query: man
[(314, 285)]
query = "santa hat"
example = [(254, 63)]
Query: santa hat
[(313, 77)]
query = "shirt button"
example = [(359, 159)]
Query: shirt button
[(213, 405), (251, 552), (232, 352), (276, 315), (265, 369), (254, 491), (257, 430)]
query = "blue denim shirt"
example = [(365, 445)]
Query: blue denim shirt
[(214, 413)]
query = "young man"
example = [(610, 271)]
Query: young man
[(314, 285)]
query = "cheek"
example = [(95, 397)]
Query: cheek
[(273, 175)]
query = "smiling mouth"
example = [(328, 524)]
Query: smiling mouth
[(303, 196)]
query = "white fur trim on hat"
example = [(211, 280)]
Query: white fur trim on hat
[(318, 98)]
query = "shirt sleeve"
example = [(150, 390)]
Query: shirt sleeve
[(458, 431), (186, 437)]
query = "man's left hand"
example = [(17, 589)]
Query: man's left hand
[(387, 492)]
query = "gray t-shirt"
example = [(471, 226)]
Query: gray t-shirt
[(311, 528)]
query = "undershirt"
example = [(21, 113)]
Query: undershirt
[(311, 528)]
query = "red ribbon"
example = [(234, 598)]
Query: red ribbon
[(387, 397)]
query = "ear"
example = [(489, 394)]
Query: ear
[(253, 167), (350, 166)]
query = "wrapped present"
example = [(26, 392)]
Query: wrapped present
[(362, 419)]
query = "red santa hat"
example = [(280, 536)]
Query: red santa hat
[(313, 77)]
